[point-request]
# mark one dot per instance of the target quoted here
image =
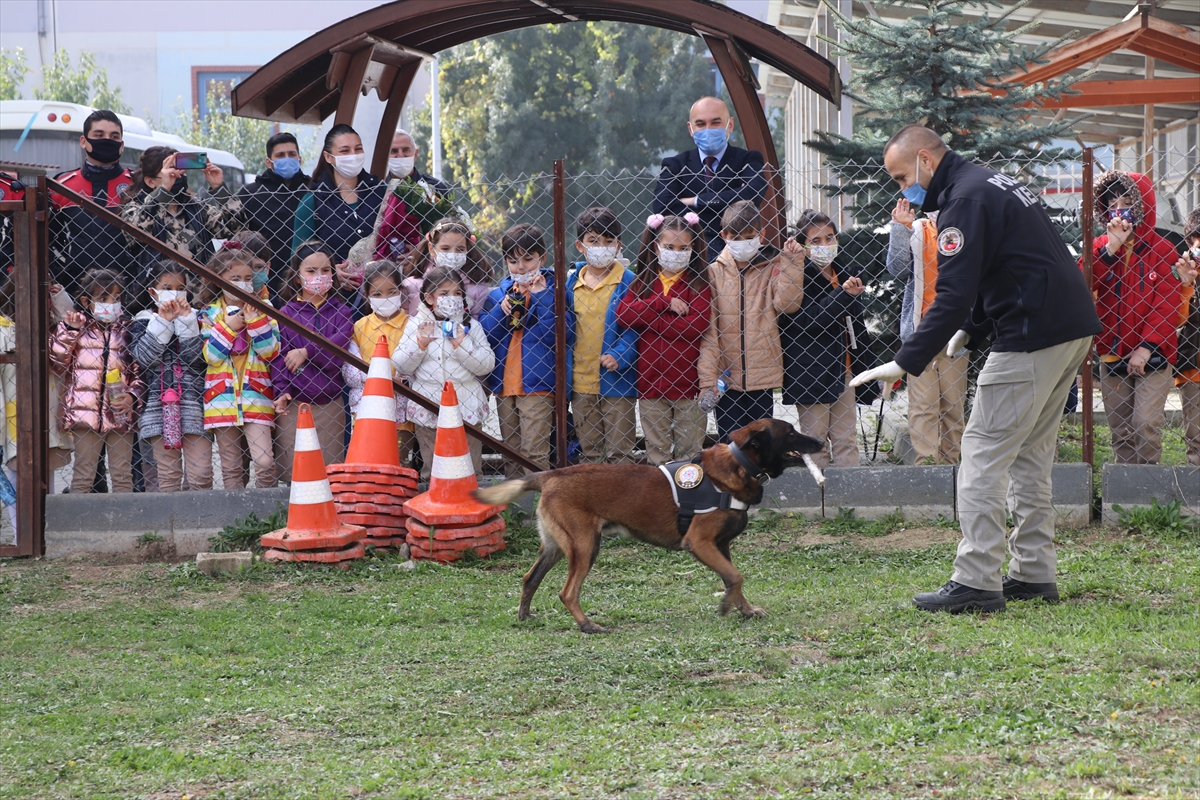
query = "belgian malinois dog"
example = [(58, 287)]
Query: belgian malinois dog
[(581, 505)]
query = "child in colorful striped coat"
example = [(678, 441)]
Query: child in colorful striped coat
[(238, 394)]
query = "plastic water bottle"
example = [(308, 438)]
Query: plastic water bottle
[(712, 395), (114, 387)]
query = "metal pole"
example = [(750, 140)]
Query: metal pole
[(30, 278), (255, 302), (560, 313), (435, 115), (1085, 385)]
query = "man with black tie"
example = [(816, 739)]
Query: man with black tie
[(710, 177)]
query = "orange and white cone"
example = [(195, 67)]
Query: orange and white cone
[(312, 518), (374, 440), (452, 474)]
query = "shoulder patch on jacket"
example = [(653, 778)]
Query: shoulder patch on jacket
[(950, 241)]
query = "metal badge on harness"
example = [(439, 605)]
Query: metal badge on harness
[(694, 493)]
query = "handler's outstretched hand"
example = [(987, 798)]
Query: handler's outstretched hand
[(889, 373), (958, 344)]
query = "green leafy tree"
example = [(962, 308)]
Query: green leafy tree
[(86, 84), (604, 96), (244, 137), (12, 73)]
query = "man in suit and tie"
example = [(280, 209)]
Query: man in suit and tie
[(711, 176)]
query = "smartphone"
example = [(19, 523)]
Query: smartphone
[(191, 160)]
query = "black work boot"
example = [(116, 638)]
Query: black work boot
[(957, 598), (1021, 590)]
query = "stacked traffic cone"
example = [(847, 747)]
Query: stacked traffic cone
[(447, 521), (370, 488), (313, 532)]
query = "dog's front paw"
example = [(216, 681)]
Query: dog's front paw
[(753, 612), (591, 627)]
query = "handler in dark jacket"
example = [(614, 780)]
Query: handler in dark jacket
[(269, 207), (816, 344), (1002, 269)]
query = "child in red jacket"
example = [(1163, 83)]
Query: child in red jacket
[(668, 305), (1138, 301)]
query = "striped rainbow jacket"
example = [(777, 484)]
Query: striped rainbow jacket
[(229, 402)]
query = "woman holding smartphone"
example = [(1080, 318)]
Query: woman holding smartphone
[(160, 203)]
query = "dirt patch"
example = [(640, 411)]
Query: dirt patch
[(907, 539)]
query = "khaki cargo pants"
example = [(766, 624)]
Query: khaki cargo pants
[(1012, 433)]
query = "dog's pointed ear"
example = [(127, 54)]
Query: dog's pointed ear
[(756, 441)]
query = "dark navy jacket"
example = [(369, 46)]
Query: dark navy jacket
[(739, 177), (815, 340), (1002, 269), (341, 225)]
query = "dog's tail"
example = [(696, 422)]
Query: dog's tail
[(509, 490)]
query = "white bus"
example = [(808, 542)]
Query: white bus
[(46, 133)]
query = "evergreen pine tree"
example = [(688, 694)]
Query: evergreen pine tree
[(946, 71)]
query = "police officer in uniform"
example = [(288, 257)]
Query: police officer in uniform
[(1003, 271)]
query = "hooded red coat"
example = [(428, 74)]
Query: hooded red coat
[(1137, 297)]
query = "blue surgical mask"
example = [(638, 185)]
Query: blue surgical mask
[(915, 194), (286, 168), (710, 141), (260, 279)]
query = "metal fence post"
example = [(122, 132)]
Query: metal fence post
[(1085, 384), (560, 313), (31, 282)]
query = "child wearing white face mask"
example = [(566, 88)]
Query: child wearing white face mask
[(91, 351), (382, 282), (168, 347), (450, 244), (239, 344), (441, 343), (819, 340), (751, 286), (519, 322), (604, 356), (668, 305)]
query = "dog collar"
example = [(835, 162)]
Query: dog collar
[(751, 468)]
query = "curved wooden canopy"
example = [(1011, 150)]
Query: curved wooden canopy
[(382, 49)]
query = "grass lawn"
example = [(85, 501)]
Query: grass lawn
[(151, 681)]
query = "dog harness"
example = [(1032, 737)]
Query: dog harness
[(694, 493)]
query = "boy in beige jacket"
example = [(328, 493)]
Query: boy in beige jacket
[(749, 292)]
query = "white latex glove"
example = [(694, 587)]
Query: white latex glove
[(889, 373), (958, 344)]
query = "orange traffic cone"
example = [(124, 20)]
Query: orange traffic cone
[(452, 475), (447, 521), (370, 488), (374, 439), (312, 517)]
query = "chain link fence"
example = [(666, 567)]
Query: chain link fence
[(639, 317)]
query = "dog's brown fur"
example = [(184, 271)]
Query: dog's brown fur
[(581, 504)]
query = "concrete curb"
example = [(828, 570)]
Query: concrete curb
[(112, 523), (873, 492), (1136, 485), (1072, 494)]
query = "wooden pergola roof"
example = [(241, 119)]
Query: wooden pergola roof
[(381, 49), (1141, 33)]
